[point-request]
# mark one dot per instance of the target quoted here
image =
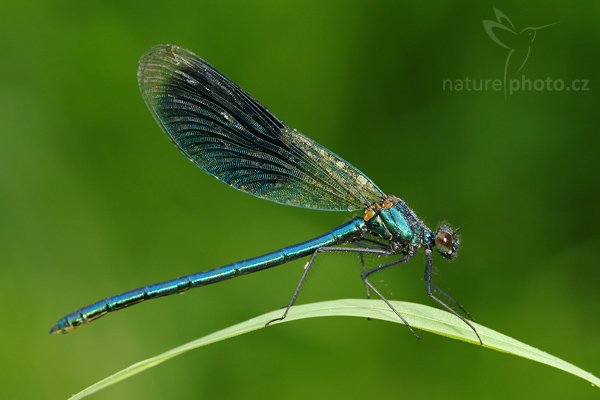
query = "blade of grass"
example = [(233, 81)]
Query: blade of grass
[(419, 316)]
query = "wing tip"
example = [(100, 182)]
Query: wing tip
[(151, 56)]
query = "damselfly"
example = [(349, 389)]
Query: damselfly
[(231, 136)]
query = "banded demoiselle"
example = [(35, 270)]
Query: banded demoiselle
[(231, 136)]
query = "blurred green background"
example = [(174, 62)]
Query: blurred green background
[(94, 199)]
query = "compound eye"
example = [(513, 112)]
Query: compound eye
[(443, 241)]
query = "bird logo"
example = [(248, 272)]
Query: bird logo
[(503, 33)]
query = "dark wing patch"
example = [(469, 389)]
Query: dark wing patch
[(231, 136)]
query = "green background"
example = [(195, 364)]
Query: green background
[(94, 200)]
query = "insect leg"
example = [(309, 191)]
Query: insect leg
[(365, 278), (364, 271), (309, 264), (372, 243), (452, 300), (430, 287)]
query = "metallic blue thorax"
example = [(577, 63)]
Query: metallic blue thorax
[(399, 224)]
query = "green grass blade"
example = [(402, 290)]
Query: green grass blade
[(419, 316)]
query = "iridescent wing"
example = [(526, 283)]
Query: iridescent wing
[(231, 136)]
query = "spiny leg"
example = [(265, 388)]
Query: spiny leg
[(431, 286), (365, 278), (402, 259), (364, 271), (360, 250), (361, 256), (373, 244), (452, 300)]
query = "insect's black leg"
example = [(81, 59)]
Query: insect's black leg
[(401, 260), (364, 271), (365, 278), (452, 300), (360, 250), (430, 288), (377, 244)]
